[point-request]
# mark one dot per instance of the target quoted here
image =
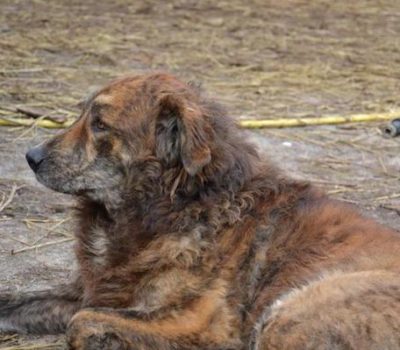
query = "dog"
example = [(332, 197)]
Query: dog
[(188, 238)]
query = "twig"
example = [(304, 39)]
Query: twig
[(8, 337), (382, 164), (4, 204), (23, 70), (38, 246), (391, 207), (51, 230), (45, 123), (32, 111), (35, 347), (19, 241), (392, 196), (29, 129), (344, 190)]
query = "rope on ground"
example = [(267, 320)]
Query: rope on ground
[(246, 123), (326, 120)]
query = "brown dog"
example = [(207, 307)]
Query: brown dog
[(188, 240)]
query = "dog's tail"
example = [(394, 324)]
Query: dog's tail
[(38, 312)]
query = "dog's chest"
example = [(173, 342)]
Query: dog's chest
[(102, 255), (98, 246), (102, 248)]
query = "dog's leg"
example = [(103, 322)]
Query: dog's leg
[(46, 312), (107, 329), (102, 329), (204, 323)]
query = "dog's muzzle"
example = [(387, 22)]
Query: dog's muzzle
[(35, 157)]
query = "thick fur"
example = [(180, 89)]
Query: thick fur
[(187, 239)]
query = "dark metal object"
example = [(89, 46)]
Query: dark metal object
[(393, 129)]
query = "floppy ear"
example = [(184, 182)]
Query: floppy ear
[(183, 134)]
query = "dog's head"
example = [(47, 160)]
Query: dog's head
[(124, 126)]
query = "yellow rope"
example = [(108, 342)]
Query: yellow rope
[(327, 120), (251, 124)]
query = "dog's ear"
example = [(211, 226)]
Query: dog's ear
[(183, 134)]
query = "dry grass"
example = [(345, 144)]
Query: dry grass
[(264, 59), (12, 342), (6, 200), (292, 59)]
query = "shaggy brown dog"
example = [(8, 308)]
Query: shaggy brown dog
[(188, 240)]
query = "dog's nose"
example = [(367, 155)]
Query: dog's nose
[(35, 156)]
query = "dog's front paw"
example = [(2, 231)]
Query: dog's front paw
[(84, 334)]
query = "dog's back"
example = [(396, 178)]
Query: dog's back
[(336, 283)]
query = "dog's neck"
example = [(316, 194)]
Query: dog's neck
[(166, 199)]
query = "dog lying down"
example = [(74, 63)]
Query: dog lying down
[(189, 239)]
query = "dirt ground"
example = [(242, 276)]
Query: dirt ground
[(262, 59)]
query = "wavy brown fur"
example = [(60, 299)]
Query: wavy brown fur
[(187, 239)]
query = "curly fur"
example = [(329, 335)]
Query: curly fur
[(188, 239)]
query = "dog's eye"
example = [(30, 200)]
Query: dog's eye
[(99, 126)]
